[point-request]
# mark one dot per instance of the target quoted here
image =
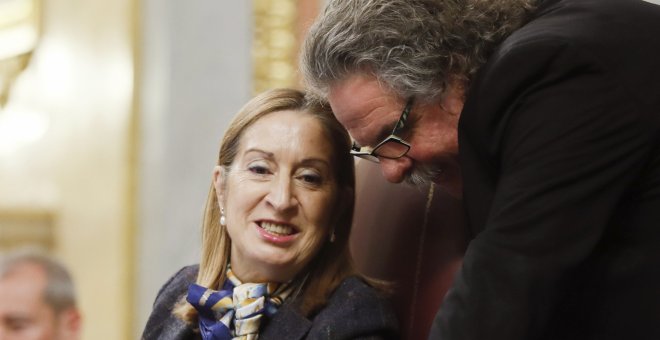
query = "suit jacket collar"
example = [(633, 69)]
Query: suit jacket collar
[(544, 5), (287, 323)]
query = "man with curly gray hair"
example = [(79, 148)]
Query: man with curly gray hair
[(544, 116)]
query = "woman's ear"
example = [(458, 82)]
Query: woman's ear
[(219, 175)]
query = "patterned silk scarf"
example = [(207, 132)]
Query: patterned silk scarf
[(235, 312)]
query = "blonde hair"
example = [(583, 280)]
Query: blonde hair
[(333, 261)]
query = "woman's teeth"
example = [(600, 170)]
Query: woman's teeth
[(276, 228)]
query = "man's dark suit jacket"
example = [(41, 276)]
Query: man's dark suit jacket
[(355, 311), (560, 152)]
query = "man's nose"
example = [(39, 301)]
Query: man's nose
[(395, 170)]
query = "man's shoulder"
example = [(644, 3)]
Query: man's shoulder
[(565, 22)]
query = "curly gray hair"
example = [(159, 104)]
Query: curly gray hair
[(414, 47)]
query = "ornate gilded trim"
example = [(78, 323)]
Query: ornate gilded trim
[(19, 34), (19, 227), (275, 45)]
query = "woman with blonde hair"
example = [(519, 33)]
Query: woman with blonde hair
[(275, 260)]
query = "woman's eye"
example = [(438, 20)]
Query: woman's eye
[(311, 178), (258, 169)]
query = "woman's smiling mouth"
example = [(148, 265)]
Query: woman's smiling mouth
[(277, 228)]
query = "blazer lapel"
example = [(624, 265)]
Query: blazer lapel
[(287, 323)]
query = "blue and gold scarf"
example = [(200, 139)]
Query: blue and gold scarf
[(236, 311)]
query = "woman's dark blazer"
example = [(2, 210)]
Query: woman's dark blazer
[(560, 152), (354, 311)]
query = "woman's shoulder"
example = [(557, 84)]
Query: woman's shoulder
[(356, 308), (176, 285), (162, 324), (181, 279), (357, 287)]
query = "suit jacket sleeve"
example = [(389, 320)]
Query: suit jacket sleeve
[(562, 141)]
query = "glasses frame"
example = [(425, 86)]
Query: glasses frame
[(371, 154)]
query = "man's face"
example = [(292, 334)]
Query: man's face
[(23, 313), (369, 113)]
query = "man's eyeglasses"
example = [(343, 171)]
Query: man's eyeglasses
[(391, 147)]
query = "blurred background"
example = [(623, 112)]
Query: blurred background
[(111, 113)]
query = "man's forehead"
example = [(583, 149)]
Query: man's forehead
[(356, 88), (362, 106), (25, 277)]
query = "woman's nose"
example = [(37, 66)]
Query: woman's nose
[(395, 170), (281, 196)]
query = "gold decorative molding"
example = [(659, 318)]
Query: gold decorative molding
[(10, 68), (19, 34), (275, 44), (20, 227)]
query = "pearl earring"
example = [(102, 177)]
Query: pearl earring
[(223, 221)]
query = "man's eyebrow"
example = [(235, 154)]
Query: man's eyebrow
[(385, 131), (18, 318)]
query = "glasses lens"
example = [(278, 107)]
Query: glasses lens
[(392, 149)]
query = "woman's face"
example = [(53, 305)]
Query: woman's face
[(278, 197)]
